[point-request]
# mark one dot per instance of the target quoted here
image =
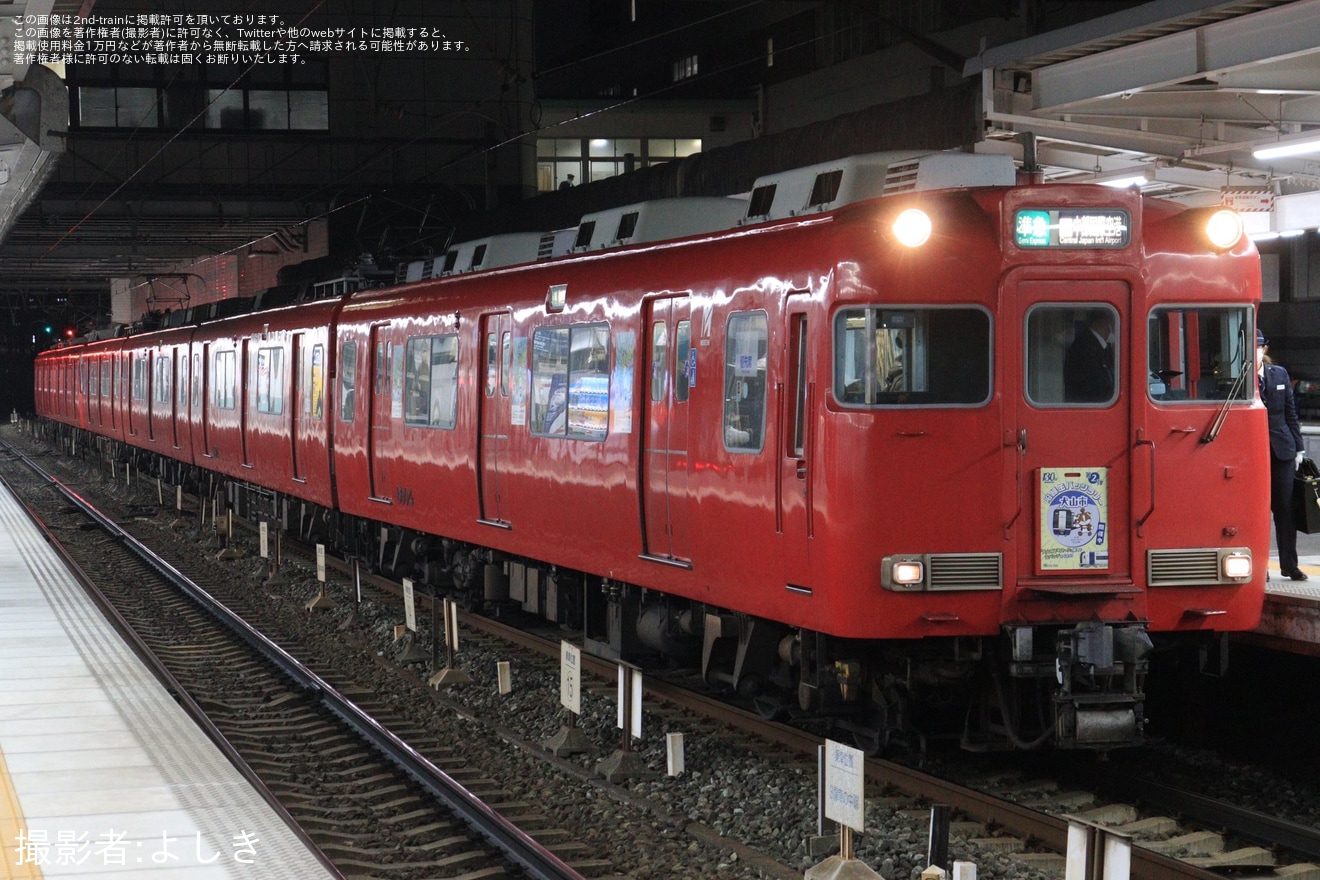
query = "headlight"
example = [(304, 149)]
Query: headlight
[(1224, 229), (1236, 565), (912, 227)]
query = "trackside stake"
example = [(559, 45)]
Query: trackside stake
[(178, 498), (160, 493), (674, 753), (450, 675), (504, 676), (320, 600)]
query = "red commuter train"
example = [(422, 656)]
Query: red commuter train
[(842, 455)]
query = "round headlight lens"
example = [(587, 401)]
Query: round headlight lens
[(912, 227), (1224, 229)]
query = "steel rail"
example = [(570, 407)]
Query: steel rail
[(515, 844)]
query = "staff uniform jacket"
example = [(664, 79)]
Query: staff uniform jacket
[(1285, 430)]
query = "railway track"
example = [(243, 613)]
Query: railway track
[(1002, 815), (325, 755)]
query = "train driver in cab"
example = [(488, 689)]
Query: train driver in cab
[(1088, 367)]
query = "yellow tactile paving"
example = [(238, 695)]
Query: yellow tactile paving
[(14, 865)]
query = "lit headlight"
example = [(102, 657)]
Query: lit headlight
[(912, 227), (1224, 229), (903, 572), (1235, 565)]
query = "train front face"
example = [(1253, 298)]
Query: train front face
[(1057, 379)]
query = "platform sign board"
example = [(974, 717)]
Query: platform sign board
[(845, 785), (1074, 519), (409, 605), (570, 677)]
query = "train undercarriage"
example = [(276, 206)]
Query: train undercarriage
[(1057, 686)]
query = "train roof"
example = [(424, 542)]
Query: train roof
[(829, 185)]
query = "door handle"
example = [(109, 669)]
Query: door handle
[(1022, 440), (802, 468)]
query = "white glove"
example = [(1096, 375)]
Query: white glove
[(1297, 462)]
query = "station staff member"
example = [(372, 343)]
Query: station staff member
[(1286, 453)]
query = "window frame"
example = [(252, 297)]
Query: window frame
[(539, 412), (731, 421), (895, 399), (412, 416)]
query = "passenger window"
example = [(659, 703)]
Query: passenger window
[(1200, 353), (270, 380), (659, 358), (1072, 355), (506, 346), (224, 379), (571, 381), (912, 357), (682, 354), (431, 381), (492, 364), (347, 380), (316, 387), (745, 347), (161, 380)]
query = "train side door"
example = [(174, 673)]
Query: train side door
[(378, 412), (795, 399), (242, 398), (1071, 433), (671, 373), (298, 421), (179, 366), (493, 443)]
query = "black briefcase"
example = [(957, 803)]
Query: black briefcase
[(1306, 498)]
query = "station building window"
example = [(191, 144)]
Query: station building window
[(588, 159), (208, 96), (912, 356)]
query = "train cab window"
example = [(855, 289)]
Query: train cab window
[(347, 380), (430, 381), (223, 379), (912, 356), (1072, 355), (745, 348), (1198, 353), (270, 380), (571, 381)]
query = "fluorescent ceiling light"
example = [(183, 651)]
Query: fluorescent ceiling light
[(1124, 177), (1122, 182), (1294, 147)]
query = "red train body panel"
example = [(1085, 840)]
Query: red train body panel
[(800, 430)]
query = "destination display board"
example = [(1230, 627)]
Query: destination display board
[(1072, 228)]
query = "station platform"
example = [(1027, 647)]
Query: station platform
[(1291, 617), (102, 774)]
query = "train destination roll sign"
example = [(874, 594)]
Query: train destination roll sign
[(1071, 228)]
